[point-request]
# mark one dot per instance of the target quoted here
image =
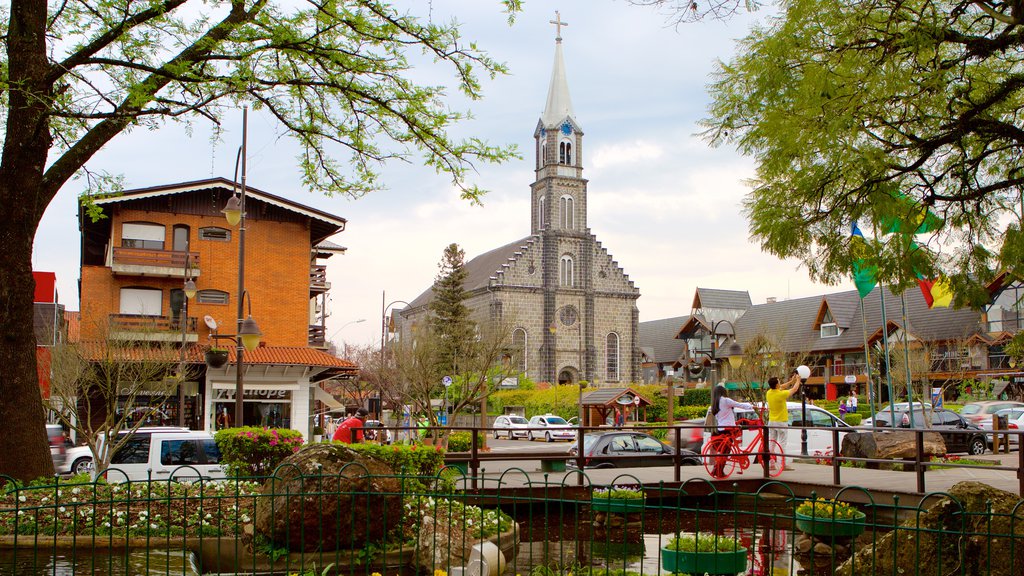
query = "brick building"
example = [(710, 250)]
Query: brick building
[(572, 306), (134, 264)]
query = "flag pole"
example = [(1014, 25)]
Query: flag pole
[(906, 359), (867, 360), (885, 350)]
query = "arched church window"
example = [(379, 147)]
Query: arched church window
[(567, 211), (541, 205), (565, 271), (568, 153), (562, 152), (519, 349), (612, 357)]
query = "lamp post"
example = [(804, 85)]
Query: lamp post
[(804, 372), (248, 333), (383, 331), (188, 291), (345, 325), (733, 351)]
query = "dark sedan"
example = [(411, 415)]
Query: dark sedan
[(623, 449), (958, 434)]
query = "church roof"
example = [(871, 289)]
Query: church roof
[(559, 104), (478, 270)]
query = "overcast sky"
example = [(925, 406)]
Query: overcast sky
[(665, 204)]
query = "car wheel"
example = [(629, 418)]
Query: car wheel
[(547, 437), (81, 465), (495, 434), (977, 447), (530, 436)]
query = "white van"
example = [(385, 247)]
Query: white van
[(163, 455)]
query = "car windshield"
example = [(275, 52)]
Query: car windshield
[(970, 409), (588, 442), (556, 420), (518, 420)]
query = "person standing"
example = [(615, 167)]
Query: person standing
[(351, 430), (851, 402), (724, 410), (778, 413)]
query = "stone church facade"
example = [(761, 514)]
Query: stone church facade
[(572, 306)]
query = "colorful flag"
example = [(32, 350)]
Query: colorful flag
[(936, 292), (865, 277), (920, 221)]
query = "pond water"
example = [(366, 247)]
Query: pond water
[(46, 562), (770, 554)]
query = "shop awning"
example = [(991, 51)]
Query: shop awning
[(742, 385), (322, 395)]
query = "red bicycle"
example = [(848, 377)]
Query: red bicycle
[(725, 452)]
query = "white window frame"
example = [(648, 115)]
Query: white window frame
[(612, 357), (148, 234), (139, 301), (203, 234), (565, 271), (567, 208), (830, 330)]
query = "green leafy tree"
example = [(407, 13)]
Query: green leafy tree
[(450, 322), (902, 116), (335, 75)]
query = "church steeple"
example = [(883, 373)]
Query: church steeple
[(559, 104)]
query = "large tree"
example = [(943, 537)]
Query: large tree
[(450, 321), (77, 73), (874, 111)]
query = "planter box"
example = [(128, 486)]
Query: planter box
[(617, 505), (552, 465), (826, 526), (704, 562), (216, 358)]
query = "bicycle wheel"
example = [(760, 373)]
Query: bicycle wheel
[(717, 460)]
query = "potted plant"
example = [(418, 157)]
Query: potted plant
[(826, 517), (704, 553), (216, 357), (318, 433), (618, 499)]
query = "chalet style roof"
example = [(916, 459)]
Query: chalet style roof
[(659, 338), (792, 322), (725, 299), (608, 396), (478, 270)]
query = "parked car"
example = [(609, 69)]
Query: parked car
[(897, 407), (819, 435), (958, 434), (163, 453), (58, 450), (691, 435), (78, 461), (374, 430), (511, 426), (1014, 421), (620, 449), (550, 428), (979, 412)]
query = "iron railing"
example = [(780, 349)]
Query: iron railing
[(354, 522)]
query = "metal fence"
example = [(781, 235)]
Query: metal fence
[(356, 523)]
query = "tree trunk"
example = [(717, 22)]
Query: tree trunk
[(23, 198)]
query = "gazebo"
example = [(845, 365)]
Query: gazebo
[(620, 402)]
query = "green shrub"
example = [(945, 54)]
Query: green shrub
[(413, 459), (253, 451), (690, 412), (854, 418), (660, 434), (462, 441), (696, 397)]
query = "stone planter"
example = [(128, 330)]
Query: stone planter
[(679, 561), (827, 526), (216, 358), (617, 505)]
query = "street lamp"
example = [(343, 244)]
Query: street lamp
[(345, 325), (248, 333), (188, 291), (804, 373), (383, 331), (733, 350)]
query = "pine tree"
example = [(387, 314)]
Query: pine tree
[(450, 323)]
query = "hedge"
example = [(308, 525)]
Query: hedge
[(255, 451)]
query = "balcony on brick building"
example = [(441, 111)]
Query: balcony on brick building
[(318, 278), (152, 328), (156, 263), (317, 336)]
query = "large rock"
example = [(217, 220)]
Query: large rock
[(898, 444), (972, 531), (328, 497)]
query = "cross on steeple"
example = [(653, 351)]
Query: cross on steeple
[(558, 26)]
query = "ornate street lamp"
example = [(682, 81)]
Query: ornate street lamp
[(804, 373)]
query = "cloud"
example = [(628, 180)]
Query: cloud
[(626, 154)]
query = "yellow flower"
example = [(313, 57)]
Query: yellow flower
[(375, 574), (440, 572)]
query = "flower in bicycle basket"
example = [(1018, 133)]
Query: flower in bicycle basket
[(827, 508)]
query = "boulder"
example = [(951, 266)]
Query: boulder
[(891, 444), (972, 530), (328, 497)]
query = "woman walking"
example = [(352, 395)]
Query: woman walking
[(724, 410)]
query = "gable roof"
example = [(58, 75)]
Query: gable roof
[(659, 337), (722, 299), (791, 322), (479, 270)]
